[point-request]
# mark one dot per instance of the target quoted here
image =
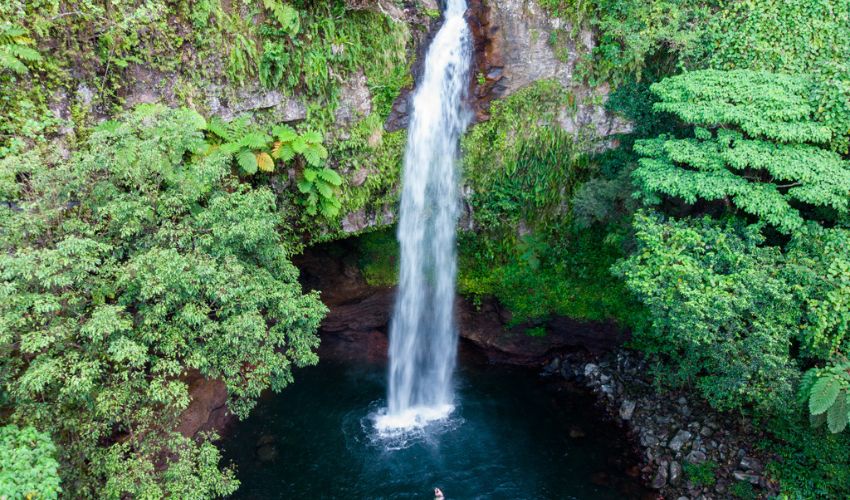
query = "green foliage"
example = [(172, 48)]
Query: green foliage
[(567, 273), (753, 146), (319, 185), (247, 145), (313, 46), (723, 315), (701, 474), (820, 262), (28, 467), (286, 15), (632, 33), (523, 170), (123, 270), (811, 463), (378, 257), (743, 490), (15, 50), (828, 393), (801, 37)]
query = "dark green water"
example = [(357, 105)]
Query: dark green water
[(509, 437)]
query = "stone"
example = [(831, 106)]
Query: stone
[(566, 369), (648, 441), (706, 431), (552, 366), (660, 479), (590, 369), (576, 432), (696, 457), (679, 440), (355, 101), (749, 463), (675, 473), (746, 476), (627, 409)]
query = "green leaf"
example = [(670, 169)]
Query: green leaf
[(219, 128), (310, 174), (330, 176), (298, 145), (284, 133), (255, 140), (312, 137), (283, 152), (325, 190), (824, 393), (247, 161), (305, 186), (836, 416), (312, 157)]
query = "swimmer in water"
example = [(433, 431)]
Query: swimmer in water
[(438, 494)]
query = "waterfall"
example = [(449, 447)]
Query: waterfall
[(423, 335)]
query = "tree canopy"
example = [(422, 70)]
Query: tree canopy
[(139, 258), (755, 144)]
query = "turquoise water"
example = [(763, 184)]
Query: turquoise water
[(509, 437)]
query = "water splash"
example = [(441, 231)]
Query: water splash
[(423, 335)]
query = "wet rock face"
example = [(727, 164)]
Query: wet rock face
[(518, 43)]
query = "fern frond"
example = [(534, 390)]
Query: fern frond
[(247, 161), (305, 186), (7, 61), (28, 54), (312, 137), (255, 140), (264, 162), (312, 157), (325, 190), (836, 416), (299, 145), (284, 133), (330, 176), (310, 175), (824, 393), (219, 127), (283, 152)]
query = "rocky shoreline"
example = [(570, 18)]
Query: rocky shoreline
[(687, 450)]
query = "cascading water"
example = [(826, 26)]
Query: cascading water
[(423, 336)]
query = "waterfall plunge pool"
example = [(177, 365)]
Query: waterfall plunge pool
[(509, 436)]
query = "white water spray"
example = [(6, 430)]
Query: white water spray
[(423, 335)]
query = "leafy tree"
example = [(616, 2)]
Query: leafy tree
[(28, 467), (139, 259), (754, 146), (723, 313)]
